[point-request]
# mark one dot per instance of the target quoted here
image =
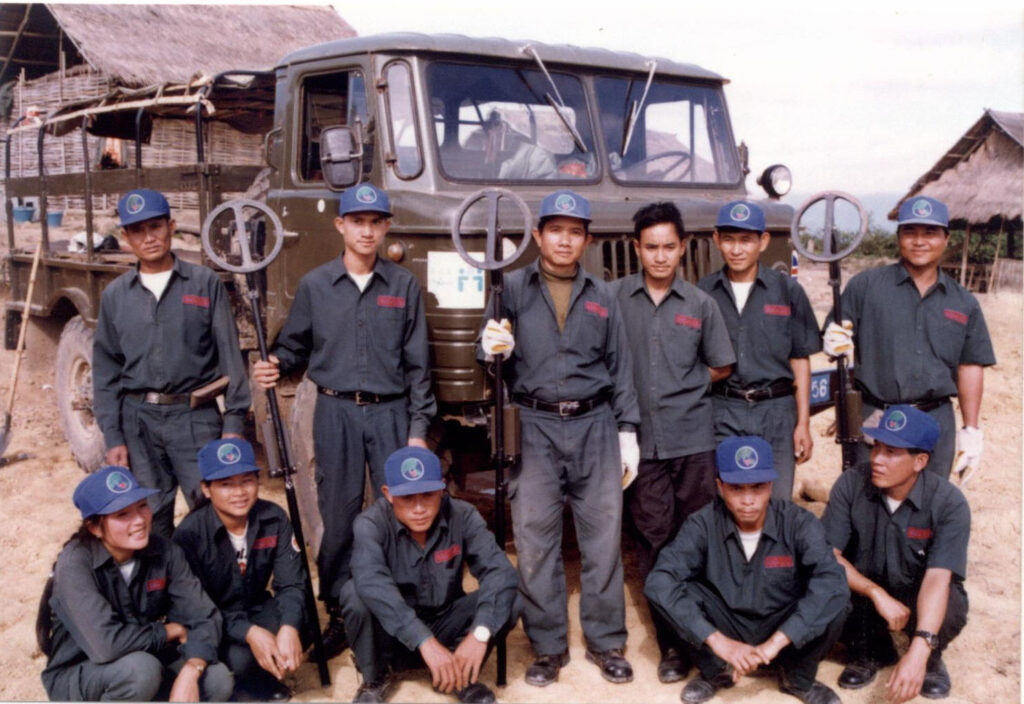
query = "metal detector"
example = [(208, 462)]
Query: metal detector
[(246, 261), (847, 398), (494, 263)]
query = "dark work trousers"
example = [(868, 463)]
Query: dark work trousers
[(866, 635), (773, 420), (574, 460), (142, 677), (799, 666), (163, 447), (347, 437), (941, 460), (664, 494), (249, 676)]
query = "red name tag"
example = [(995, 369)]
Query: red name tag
[(688, 321), (955, 315), (269, 541), (391, 301), (447, 554), (775, 561), (155, 585), (199, 301), (772, 309), (596, 308), (919, 533)]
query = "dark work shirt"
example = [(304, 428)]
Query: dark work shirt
[(100, 617), (930, 528), (271, 554), (777, 325), (374, 340), (673, 344), (908, 347), (399, 581), (590, 357), (175, 345), (793, 564)]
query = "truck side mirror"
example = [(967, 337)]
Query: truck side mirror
[(341, 156)]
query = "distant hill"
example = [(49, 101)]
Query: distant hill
[(878, 206)]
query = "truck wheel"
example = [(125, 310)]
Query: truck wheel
[(300, 433), (74, 395)]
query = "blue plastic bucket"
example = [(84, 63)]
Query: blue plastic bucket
[(55, 218), (23, 213)]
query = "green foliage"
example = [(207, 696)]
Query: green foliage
[(982, 248), (877, 243)]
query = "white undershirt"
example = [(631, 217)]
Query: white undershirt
[(742, 292), (127, 568), (749, 541), (241, 549), (157, 283), (362, 280), (893, 504)]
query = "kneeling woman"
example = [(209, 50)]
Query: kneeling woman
[(130, 622), (236, 542)]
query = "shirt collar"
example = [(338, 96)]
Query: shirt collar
[(723, 277), (100, 555), (338, 270), (533, 273), (728, 526), (440, 523), (903, 276), (178, 269), (640, 284)]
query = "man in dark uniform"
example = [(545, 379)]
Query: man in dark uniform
[(902, 534), (571, 375), (680, 347), (919, 337), (405, 605), (358, 327), (773, 332), (164, 337), (749, 580)]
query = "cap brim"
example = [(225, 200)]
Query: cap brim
[(143, 216), (733, 226), (231, 471), (124, 500), (923, 221), (382, 211), (410, 488), (890, 438), (755, 476)]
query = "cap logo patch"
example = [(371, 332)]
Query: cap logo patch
[(565, 203), (921, 208), (896, 421), (366, 195), (740, 212), (229, 453), (412, 469), (746, 457), (134, 204), (118, 482)]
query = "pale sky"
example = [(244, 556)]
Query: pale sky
[(862, 98)]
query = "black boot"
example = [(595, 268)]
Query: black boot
[(335, 640)]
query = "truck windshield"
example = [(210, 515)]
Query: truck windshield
[(501, 124), (680, 133)]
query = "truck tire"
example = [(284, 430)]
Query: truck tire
[(74, 395)]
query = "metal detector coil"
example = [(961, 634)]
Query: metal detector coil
[(828, 254), (249, 264), (491, 261)]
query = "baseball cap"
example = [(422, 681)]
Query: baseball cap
[(364, 198), (565, 203), (412, 470), (107, 490), (906, 426), (226, 457), (923, 210), (142, 204), (741, 215), (745, 460)]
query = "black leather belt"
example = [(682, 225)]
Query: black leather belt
[(565, 409), (779, 389), (925, 405), (156, 398), (362, 398)]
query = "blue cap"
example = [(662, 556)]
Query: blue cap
[(364, 198), (923, 210), (107, 490), (745, 460), (741, 215), (142, 204), (906, 426), (413, 470), (565, 203), (220, 459)]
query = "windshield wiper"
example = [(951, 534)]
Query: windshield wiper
[(557, 103), (637, 107)]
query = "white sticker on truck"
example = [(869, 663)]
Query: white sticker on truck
[(454, 283)]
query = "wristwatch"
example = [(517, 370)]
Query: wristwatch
[(930, 639), (200, 668), (482, 633)]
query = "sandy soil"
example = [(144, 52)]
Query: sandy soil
[(37, 516)]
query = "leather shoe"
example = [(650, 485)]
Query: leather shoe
[(614, 667), (272, 691), (936, 683), (817, 693), (857, 674), (673, 667), (476, 693), (374, 691), (699, 690), (335, 640), (544, 670)]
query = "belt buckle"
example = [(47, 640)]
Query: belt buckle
[(152, 398), (568, 408), (360, 401), (748, 395)]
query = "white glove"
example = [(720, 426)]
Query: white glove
[(630, 452), (838, 339), (497, 339), (970, 442)]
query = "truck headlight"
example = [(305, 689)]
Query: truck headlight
[(776, 180)]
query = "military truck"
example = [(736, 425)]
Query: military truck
[(431, 119)]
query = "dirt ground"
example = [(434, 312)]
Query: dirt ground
[(37, 516)]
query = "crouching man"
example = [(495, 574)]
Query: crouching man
[(405, 605), (749, 580), (902, 535)]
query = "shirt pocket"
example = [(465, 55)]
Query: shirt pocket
[(196, 321), (781, 580), (947, 333), (592, 328), (776, 330), (387, 325)]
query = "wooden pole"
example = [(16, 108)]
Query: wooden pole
[(963, 256), (992, 276)]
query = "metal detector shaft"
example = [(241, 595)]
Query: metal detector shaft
[(846, 439), (497, 287)]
